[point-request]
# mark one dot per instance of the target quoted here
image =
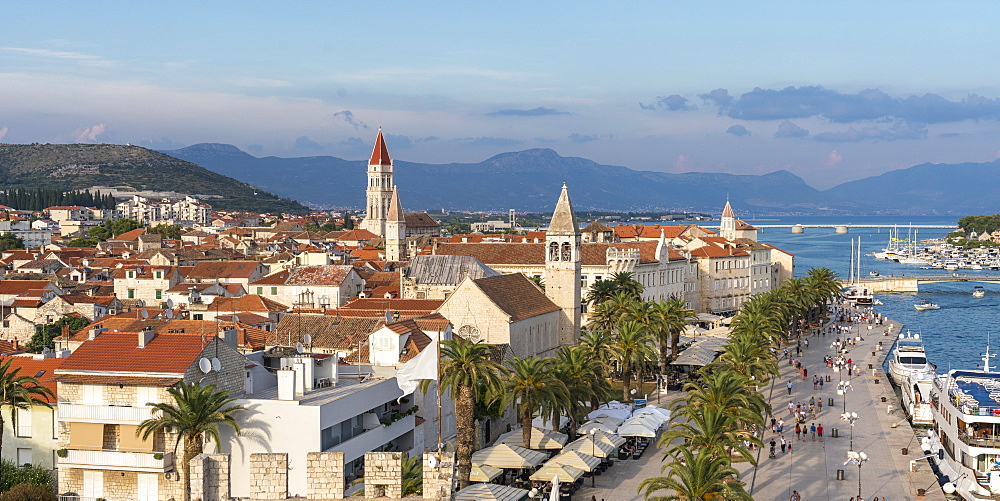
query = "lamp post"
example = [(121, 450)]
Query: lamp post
[(850, 417), (593, 452), (859, 458)]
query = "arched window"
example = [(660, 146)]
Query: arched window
[(553, 251), (567, 252)]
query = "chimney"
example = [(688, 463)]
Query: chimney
[(286, 384), (145, 336), (94, 332), (300, 377)]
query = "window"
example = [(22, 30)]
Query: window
[(274, 291), (199, 316), (159, 274), (145, 395), (148, 485), (93, 484), (260, 291), (159, 294), (24, 456), (131, 274), (93, 394), (24, 424), (131, 293)]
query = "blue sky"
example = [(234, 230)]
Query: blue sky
[(831, 92)]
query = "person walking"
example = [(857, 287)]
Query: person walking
[(784, 444), (819, 432), (789, 385), (795, 496), (798, 432), (812, 431)]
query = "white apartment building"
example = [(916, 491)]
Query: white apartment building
[(173, 211)]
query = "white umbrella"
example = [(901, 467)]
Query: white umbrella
[(650, 414), (646, 419), (636, 429), (554, 495), (592, 425), (612, 412), (609, 438)]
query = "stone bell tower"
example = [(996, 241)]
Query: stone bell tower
[(563, 264)]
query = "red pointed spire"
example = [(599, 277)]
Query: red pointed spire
[(380, 155)]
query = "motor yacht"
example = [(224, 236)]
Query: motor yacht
[(978, 291), (926, 305), (908, 358)]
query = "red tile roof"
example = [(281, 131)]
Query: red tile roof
[(128, 236), (43, 370), (517, 296), (249, 302), (21, 286), (223, 269), (171, 353), (380, 154), (373, 303)]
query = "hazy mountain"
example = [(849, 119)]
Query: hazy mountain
[(81, 166), (529, 180), (525, 180)]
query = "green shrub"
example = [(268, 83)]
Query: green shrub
[(12, 475), (28, 492)]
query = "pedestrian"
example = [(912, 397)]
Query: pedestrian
[(789, 385), (798, 431), (819, 432), (815, 383), (791, 408), (805, 372), (773, 425), (784, 445), (819, 406), (821, 387), (812, 431), (795, 496)]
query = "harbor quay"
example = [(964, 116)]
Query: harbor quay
[(815, 468)]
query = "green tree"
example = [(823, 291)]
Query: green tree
[(10, 241), (171, 231), (45, 334), (467, 373), (695, 476), (27, 491), (626, 283), (632, 348), (82, 242), (195, 415), (671, 316), (19, 392), (413, 478), (533, 385), (457, 228), (348, 223), (584, 382)]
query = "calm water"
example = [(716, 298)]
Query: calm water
[(954, 335)]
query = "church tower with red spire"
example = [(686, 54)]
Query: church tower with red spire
[(379, 190)]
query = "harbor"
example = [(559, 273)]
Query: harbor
[(816, 469)]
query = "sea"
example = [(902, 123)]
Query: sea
[(955, 335)]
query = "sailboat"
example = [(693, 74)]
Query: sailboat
[(855, 291)]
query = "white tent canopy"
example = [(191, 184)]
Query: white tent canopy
[(545, 423), (540, 439), (647, 420), (610, 412), (593, 447), (585, 462), (509, 456), (612, 421), (612, 439), (484, 473), (636, 429), (491, 492), (592, 425), (650, 414), (562, 471)]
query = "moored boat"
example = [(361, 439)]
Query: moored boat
[(926, 305), (907, 358)]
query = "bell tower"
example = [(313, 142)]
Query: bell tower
[(727, 225), (563, 264), (378, 193), (395, 230)]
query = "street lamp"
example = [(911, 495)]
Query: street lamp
[(593, 452), (850, 417), (858, 458)]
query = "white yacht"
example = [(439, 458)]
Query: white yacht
[(907, 358), (978, 291), (926, 305), (916, 391), (966, 435)]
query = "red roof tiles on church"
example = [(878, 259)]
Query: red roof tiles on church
[(380, 154)]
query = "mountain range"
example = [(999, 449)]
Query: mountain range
[(528, 181), (83, 166)]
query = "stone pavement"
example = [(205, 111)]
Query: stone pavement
[(812, 468)]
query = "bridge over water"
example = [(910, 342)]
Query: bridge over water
[(844, 228), (912, 283)]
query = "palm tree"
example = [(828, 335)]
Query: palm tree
[(600, 291), (632, 348), (672, 316), (715, 430), (531, 383), (196, 414), (748, 356), (625, 283), (413, 478), (538, 281), (696, 476), (584, 382), (19, 392), (469, 374)]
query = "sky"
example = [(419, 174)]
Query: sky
[(831, 92)]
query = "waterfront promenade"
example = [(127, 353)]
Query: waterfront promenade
[(812, 468)]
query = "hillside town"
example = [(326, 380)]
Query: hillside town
[(318, 329)]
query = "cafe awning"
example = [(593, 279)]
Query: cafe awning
[(509, 456)]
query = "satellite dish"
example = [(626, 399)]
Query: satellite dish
[(307, 339), (205, 365), (170, 303), (216, 364), (46, 350), (299, 348), (145, 314), (432, 462), (170, 313), (235, 318), (388, 316)]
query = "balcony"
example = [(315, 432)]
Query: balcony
[(105, 414), (115, 460)]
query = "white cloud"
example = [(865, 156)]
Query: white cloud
[(89, 134), (682, 162), (79, 57), (3, 132), (833, 159)]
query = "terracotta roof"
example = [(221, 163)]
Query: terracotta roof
[(325, 275), (246, 317), (380, 154), (223, 269), (517, 296), (358, 235), (381, 278), (382, 290), (7, 347), (728, 210), (342, 333), (743, 225), (419, 220), (128, 236), (42, 370), (21, 286), (169, 353), (249, 302), (374, 303)]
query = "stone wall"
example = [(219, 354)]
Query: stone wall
[(268, 476), (438, 480), (325, 475), (383, 474), (230, 378), (210, 477)]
